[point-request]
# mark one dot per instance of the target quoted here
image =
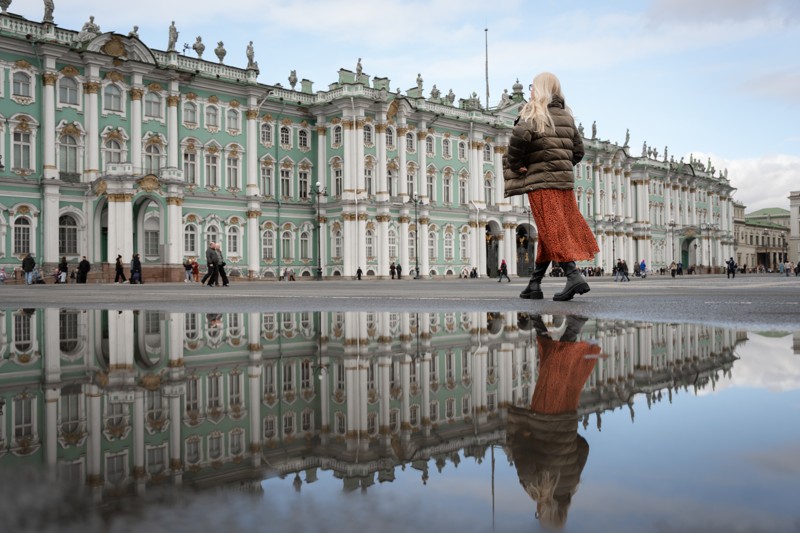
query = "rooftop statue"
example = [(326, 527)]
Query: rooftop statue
[(358, 69), (134, 32), (594, 130), (199, 47), (220, 51), (250, 55), (49, 6), (89, 31), (419, 81), (173, 37), (293, 78)]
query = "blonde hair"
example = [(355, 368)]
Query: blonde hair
[(545, 87)]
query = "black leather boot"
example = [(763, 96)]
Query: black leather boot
[(573, 329), (576, 284), (533, 291)]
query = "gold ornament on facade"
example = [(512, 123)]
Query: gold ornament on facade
[(286, 122), (154, 87), (91, 87), (23, 125), (213, 99), (251, 114), (393, 107), (500, 149), (155, 139), (113, 135), (100, 187), (22, 64), (49, 78), (425, 221), (322, 130), (114, 47), (150, 382), (287, 164), (174, 200), (404, 219), (235, 104), (191, 218), (173, 100), (380, 127), (191, 97), (69, 71), (401, 130), (362, 216), (71, 129), (212, 149), (115, 76), (360, 123), (252, 213), (149, 183), (136, 93)]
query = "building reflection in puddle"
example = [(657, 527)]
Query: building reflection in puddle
[(120, 401)]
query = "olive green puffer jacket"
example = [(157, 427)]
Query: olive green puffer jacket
[(548, 157)]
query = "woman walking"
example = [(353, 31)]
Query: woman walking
[(545, 146), (119, 271)]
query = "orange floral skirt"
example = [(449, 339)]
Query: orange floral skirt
[(563, 233), (563, 370)]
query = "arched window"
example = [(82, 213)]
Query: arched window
[(152, 159), (487, 152), (410, 141), (190, 114), (447, 192), (391, 180), (68, 154), (112, 99), (302, 139), (114, 153), (286, 136), (462, 150), (429, 186), (463, 245), (446, 150), (462, 192), (266, 178), (268, 245), (286, 182), (369, 243), (21, 150), (152, 105), (392, 244), (432, 244), (22, 236), (412, 244), (448, 246), (305, 249), (429, 145), (286, 245), (368, 138), (190, 239), (21, 84), (303, 179), (151, 237), (67, 235), (488, 191), (266, 133), (190, 167), (68, 91), (368, 180), (212, 234), (410, 181), (337, 243), (337, 182), (212, 117), (233, 120), (390, 138), (212, 170), (337, 136), (233, 171), (233, 240)]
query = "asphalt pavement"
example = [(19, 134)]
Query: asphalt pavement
[(760, 301)]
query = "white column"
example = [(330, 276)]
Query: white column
[(404, 240), (499, 182), (253, 239), (252, 152), (476, 170), (619, 208), (381, 188), (322, 157), (137, 419), (383, 242), (49, 125), (402, 171), (50, 209), (424, 259), (629, 192), (422, 160), (174, 245), (481, 238), (136, 93), (509, 242), (173, 132), (595, 173), (90, 91)]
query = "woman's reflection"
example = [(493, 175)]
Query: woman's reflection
[(544, 443)]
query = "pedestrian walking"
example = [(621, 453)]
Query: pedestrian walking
[(503, 272), (136, 269), (63, 270), (359, 273), (221, 265), (544, 147), (731, 268), (187, 270), (392, 270), (673, 269), (28, 264), (618, 270), (624, 268), (399, 271), (83, 270), (119, 271), (211, 262), (643, 269), (195, 271)]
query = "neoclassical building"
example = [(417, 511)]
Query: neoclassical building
[(120, 401), (110, 147)]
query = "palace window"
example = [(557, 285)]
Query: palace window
[(302, 183), (368, 181), (432, 245), (212, 117), (67, 235), (68, 154), (68, 91), (337, 136), (463, 245), (305, 248), (488, 191), (190, 114), (446, 149), (114, 152), (431, 177), (152, 159), (487, 152), (410, 182), (212, 170), (266, 133), (429, 145), (233, 120), (391, 180), (22, 150), (286, 136), (302, 139), (190, 167), (337, 244), (233, 171), (410, 141), (268, 245), (447, 189), (462, 192), (392, 244), (462, 150), (390, 138), (190, 239), (22, 236), (369, 243), (286, 183), (337, 182), (112, 99), (233, 240), (152, 106), (286, 245), (212, 234), (448, 246), (21, 84)]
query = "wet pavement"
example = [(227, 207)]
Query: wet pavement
[(658, 405)]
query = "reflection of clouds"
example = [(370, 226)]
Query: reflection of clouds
[(767, 363), (783, 460)]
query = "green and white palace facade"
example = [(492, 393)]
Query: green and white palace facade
[(110, 148)]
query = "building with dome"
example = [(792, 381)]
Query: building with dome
[(111, 147)]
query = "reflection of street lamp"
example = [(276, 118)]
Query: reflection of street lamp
[(672, 225), (320, 191), (613, 219), (415, 199)]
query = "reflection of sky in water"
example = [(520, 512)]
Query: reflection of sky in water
[(721, 459)]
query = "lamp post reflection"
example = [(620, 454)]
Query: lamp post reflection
[(320, 190)]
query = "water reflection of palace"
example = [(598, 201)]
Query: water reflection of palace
[(125, 399)]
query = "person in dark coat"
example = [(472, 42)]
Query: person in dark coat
[(399, 271), (392, 270), (731, 268), (63, 270), (83, 270), (221, 265), (28, 264), (211, 263), (543, 150), (119, 270), (503, 272), (136, 269), (543, 440), (359, 273)]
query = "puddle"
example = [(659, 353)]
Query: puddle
[(113, 420)]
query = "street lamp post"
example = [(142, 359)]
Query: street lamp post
[(320, 191), (613, 219), (415, 199)]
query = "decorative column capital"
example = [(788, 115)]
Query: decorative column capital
[(253, 213), (174, 200), (136, 93), (120, 197), (380, 127), (172, 100), (49, 78), (251, 114), (91, 87), (404, 220), (322, 130), (424, 221)]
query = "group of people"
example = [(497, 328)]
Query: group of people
[(136, 270), (621, 271), (395, 270), (216, 267)]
